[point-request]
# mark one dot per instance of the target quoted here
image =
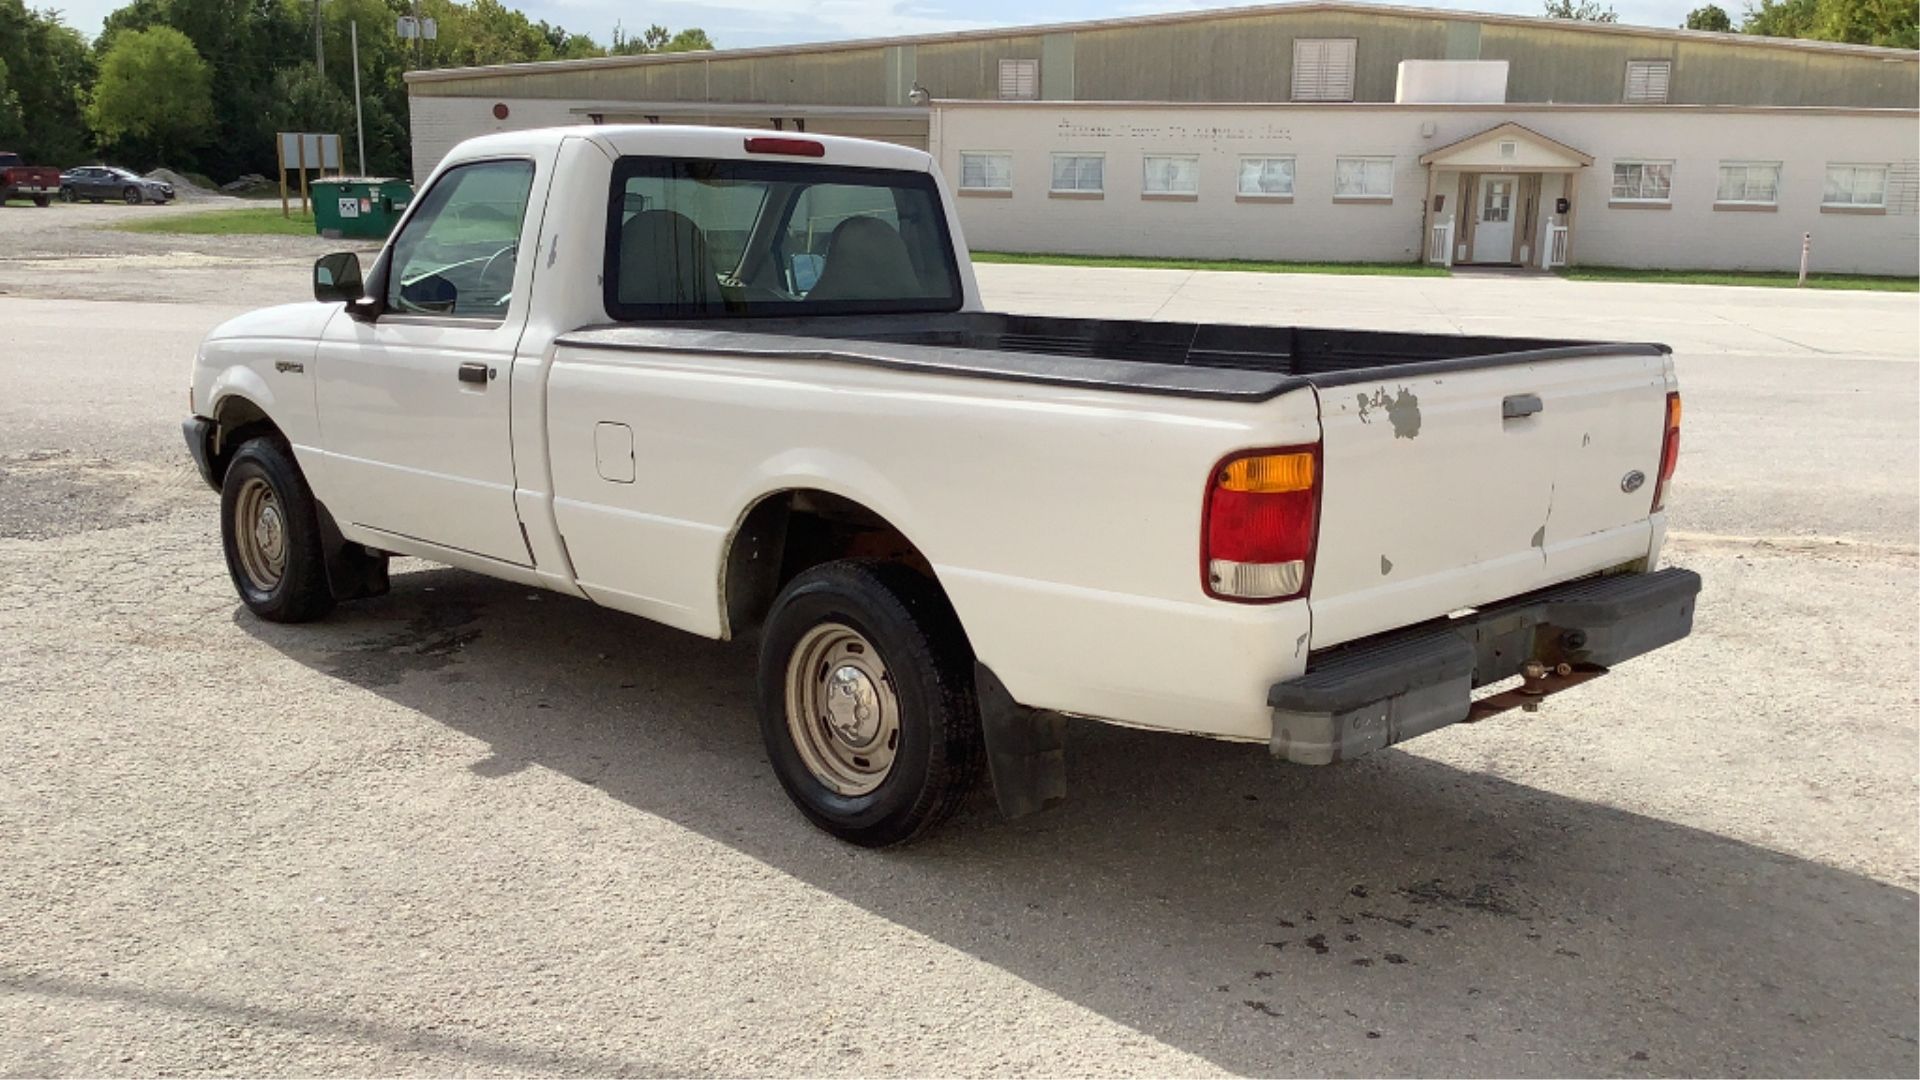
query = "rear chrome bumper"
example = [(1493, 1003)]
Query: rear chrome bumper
[(1359, 697)]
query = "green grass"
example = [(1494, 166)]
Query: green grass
[(252, 221), (1763, 278), (1399, 269)]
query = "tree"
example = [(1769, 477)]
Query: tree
[(692, 39), (1710, 17), (1893, 23), (1582, 10), (48, 68), (246, 42), (155, 90), (658, 39), (13, 126)]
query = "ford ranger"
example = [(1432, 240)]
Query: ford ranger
[(743, 383)]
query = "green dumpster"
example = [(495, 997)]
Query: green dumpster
[(364, 208)]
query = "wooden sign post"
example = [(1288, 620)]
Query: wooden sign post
[(308, 151)]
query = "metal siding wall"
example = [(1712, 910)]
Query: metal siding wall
[(971, 69), (1245, 58), (1231, 58), (1057, 81)]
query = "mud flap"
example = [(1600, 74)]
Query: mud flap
[(354, 571), (1026, 749)]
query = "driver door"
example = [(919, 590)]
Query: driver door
[(414, 405)]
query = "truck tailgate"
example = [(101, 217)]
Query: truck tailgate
[(1461, 487)]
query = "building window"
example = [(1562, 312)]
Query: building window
[(1642, 182), (1019, 80), (1266, 176), (1323, 69), (1856, 185), (985, 172), (1647, 82), (1079, 174), (1363, 178), (1753, 183), (1168, 174)]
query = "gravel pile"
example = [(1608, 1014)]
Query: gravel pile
[(183, 189)]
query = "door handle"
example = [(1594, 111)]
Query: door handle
[(1515, 406), (475, 373)]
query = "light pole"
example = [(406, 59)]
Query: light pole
[(359, 126)]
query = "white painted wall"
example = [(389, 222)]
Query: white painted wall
[(1451, 81), (441, 123), (1691, 234)]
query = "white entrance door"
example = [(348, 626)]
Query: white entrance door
[(1493, 229)]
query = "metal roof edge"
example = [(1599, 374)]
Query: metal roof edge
[(1164, 18)]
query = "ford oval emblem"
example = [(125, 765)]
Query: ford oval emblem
[(1632, 481)]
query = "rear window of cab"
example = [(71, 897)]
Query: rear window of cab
[(706, 238)]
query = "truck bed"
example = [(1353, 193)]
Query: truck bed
[(1200, 360)]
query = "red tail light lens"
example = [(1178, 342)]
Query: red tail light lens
[(773, 144), (1669, 452), (1260, 524)]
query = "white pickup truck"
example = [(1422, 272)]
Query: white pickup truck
[(742, 382)]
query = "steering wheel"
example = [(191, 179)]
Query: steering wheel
[(502, 258)]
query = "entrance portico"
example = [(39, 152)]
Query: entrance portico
[(1503, 197)]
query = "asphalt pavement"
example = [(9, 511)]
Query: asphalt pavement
[(469, 828)]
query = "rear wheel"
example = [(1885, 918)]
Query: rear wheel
[(271, 533), (867, 703), (43, 200)]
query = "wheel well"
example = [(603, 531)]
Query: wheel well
[(790, 531), (235, 421)]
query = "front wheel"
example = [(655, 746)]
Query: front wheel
[(131, 196), (867, 702), (67, 194), (271, 533)]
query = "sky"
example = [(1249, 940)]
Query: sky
[(746, 23)]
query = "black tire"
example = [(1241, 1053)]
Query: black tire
[(43, 200), (929, 668), (131, 196), (299, 593), (67, 194)]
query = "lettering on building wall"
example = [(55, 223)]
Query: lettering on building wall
[(1087, 130)]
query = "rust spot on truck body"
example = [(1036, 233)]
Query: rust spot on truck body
[(1402, 409)]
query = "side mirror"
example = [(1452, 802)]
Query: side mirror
[(337, 277)]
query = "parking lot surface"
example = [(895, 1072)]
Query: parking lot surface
[(469, 828)]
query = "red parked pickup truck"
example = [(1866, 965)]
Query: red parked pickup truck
[(19, 180)]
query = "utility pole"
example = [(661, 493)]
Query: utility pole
[(319, 42), (359, 127)]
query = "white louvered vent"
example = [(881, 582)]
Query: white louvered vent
[(1647, 82), (1323, 69), (1019, 80)]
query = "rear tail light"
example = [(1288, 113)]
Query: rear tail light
[(1669, 452), (1260, 523), (773, 144)]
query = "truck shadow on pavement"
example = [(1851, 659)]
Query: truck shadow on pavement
[(1395, 915)]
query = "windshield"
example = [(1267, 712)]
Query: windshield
[(703, 238)]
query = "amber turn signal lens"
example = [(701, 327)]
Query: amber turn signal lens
[(1269, 474)]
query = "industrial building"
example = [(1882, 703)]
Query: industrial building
[(1324, 131)]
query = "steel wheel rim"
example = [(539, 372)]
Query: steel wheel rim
[(842, 713), (260, 534)]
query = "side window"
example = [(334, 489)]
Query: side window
[(456, 255)]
